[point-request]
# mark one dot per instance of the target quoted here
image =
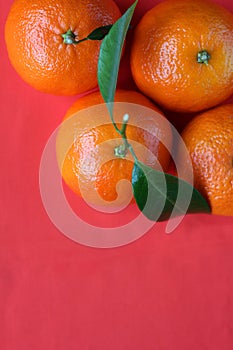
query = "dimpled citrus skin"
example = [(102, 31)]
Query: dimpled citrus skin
[(36, 49), (110, 172), (209, 140), (164, 54)]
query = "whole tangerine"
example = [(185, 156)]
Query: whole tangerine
[(40, 37), (88, 146), (209, 140), (182, 54)]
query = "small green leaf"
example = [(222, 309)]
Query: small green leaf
[(110, 55), (156, 194), (99, 33)]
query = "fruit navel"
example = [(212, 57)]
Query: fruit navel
[(203, 57)]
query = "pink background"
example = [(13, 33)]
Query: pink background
[(160, 292)]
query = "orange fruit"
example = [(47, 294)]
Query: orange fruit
[(87, 143), (38, 51), (182, 54), (209, 140)]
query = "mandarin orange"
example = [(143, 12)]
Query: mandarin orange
[(209, 140), (182, 54), (42, 57), (87, 144)]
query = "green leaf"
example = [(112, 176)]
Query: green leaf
[(99, 33), (110, 55), (156, 194)]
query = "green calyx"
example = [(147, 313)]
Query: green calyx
[(120, 151), (203, 57), (69, 37)]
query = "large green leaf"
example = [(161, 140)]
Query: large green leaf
[(110, 56), (156, 194)]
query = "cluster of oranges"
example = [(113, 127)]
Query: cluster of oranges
[(181, 58)]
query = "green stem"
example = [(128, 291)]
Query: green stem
[(121, 150), (97, 34), (80, 41), (133, 153), (115, 126)]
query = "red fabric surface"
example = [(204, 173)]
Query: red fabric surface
[(160, 292)]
